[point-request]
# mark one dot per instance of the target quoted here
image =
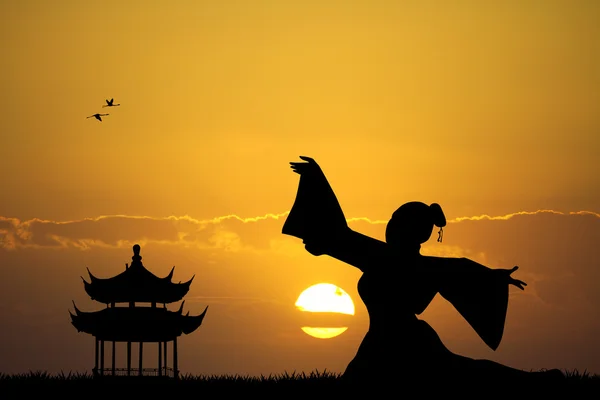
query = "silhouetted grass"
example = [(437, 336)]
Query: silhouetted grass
[(45, 377), (315, 383)]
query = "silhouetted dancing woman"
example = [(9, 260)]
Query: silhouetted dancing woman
[(398, 283)]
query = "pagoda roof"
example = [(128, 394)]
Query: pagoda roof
[(136, 324), (136, 284)]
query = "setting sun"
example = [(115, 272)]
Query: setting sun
[(325, 298)]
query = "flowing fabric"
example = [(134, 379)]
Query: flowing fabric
[(316, 210), (478, 294)]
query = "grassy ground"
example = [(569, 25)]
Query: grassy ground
[(315, 384)]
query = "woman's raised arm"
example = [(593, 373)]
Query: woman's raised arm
[(351, 247)]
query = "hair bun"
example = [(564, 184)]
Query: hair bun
[(437, 215)]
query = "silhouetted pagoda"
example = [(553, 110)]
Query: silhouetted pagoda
[(133, 323)]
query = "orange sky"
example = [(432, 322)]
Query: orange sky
[(488, 108)]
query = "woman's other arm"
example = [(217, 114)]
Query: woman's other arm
[(465, 271)]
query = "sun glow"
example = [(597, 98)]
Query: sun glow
[(325, 298)]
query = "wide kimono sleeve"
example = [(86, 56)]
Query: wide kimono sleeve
[(317, 217), (316, 210), (479, 294)]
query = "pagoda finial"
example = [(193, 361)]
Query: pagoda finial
[(136, 253)]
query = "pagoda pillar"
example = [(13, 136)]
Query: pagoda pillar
[(128, 358), (165, 351), (113, 359), (159, 358), (175, 370), (102, 357), (96, 357), (140, 361)]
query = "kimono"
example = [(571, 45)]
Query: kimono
[(396, 287)]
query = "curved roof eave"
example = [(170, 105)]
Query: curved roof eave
[(186, 284), (193, 323), (77, 312), (92, 277), (180, 311), (170, 276)]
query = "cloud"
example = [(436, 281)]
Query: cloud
[(229, 232), (509, 216), (119, 231)]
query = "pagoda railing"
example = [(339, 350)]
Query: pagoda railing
[(164, 372)]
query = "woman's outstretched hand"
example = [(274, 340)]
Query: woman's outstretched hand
[(310, 166), (511, 280)]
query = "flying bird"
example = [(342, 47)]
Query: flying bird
[(97, 116), (109, 103)]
